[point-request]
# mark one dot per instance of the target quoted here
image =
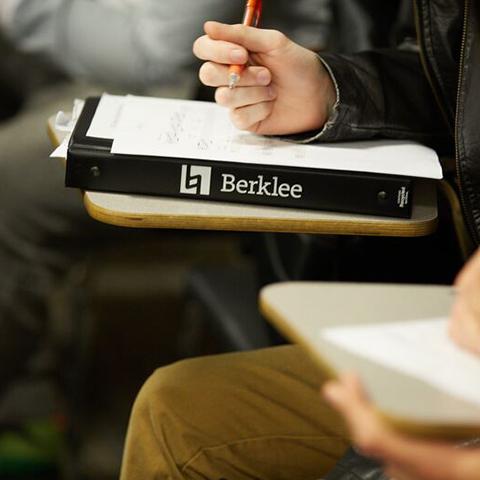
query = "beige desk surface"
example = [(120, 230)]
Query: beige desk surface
[(161, 212), (300, 309)]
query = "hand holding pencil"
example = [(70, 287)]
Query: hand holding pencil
[(281, 88)]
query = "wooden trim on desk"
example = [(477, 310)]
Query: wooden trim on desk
[(252, 224), (337, 225), (52, 134)]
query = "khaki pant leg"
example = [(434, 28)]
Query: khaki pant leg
[(255, 415)]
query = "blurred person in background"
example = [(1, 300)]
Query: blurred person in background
[(55, 51), (124, 46)]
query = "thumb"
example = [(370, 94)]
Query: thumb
[(253, 39), (348, 397)]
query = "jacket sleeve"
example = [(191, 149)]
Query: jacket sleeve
[(383, 94)]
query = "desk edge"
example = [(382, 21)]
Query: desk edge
[(425, 430)]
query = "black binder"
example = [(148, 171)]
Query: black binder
[(92, 166)]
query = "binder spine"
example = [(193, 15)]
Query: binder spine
[(242, 183)]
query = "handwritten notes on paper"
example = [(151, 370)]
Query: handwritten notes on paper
[(195, 130), (421, 349), (203, 131)]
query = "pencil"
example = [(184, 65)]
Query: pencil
[(253, 11)]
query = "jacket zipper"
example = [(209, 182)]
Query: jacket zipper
[(440, 104), (457, 112), (426, 68)]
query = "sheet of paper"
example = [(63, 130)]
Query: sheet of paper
[(62, 150), (200, 130), (65, 122), (420, 349), (107, 116)]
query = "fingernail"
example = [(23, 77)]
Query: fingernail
[(237, 56), (263, 78)]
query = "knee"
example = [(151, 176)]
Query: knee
[(181, 388), (170, 421), (169, 398), (182, 401), (194, 390), (166, 389)]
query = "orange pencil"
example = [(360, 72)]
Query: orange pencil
[(253, 11)]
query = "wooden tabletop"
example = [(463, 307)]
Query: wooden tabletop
[(139, 211), (300, 309)]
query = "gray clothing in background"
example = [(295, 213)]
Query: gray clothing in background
[(44, 229), (138, 43)]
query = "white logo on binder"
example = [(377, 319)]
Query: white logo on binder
[(195, 180)]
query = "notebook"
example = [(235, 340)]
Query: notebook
[(395, 337)]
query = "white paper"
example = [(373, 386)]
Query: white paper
[(203, 131), (107, 116), (65, 122), (62, 150), (420, 349)]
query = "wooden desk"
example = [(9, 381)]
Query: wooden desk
[(155, 212), (299, 309)]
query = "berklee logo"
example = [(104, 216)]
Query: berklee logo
[(262, 187), (195, 180)]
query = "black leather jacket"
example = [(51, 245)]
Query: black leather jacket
[(429, 96)]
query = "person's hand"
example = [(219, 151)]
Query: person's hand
[(285, 88), (465, 316), (405, 458)]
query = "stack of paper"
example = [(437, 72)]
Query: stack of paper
[(200, 130)]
